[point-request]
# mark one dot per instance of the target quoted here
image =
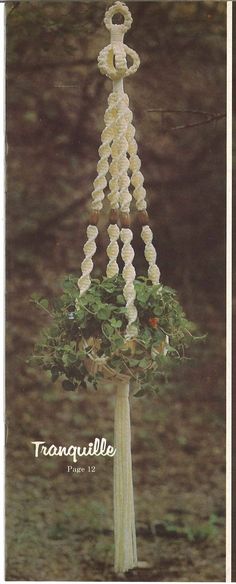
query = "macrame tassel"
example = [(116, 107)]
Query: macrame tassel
[(124, 519)]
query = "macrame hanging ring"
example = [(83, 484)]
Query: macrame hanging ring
[(118, 8), (113, 64)]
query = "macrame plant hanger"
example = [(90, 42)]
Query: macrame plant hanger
[(119, 169)]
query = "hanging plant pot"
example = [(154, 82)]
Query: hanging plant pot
[(95, 364), (87, 339)]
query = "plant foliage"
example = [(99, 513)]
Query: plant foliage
[(95, 324)]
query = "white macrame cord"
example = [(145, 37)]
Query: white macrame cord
[(118, 158)]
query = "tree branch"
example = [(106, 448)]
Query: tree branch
[(210, 117)]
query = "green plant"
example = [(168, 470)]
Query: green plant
[(95, 323), (198, 533), (193, 533)]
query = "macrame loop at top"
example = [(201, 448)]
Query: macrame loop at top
[(118, 8), (112, 60)]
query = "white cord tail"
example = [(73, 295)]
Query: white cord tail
[(124, 518)]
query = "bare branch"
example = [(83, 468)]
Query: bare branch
[(209, 117), (180, 111)]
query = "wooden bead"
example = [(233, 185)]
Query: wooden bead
[(143, 218), (114, 216), (125, 219), (94, 216)]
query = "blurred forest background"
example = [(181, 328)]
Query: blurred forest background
[(59, 527)]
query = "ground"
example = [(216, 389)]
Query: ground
[(60, 524)]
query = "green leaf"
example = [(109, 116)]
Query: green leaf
[(107, 329), (35, 296), (120, 299), (171, 349), (118, 342), (69, 284), (101, 314), (143, 363), (116, 323), (104, 313), (44, 302)]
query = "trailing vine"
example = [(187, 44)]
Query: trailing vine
[(95, 324)]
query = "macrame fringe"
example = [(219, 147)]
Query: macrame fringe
[(124, 517)]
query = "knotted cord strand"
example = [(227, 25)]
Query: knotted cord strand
[(139, 195), (104, 151), (119, 196), (100, 184), (87, 264), (137, 178), (114, 195), (126, 235), (150, 254), (113, 251), (119, 167), (128, 274)]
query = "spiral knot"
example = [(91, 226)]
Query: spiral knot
[(87, 264), (150, 255), (112, 251), (129, 276)]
